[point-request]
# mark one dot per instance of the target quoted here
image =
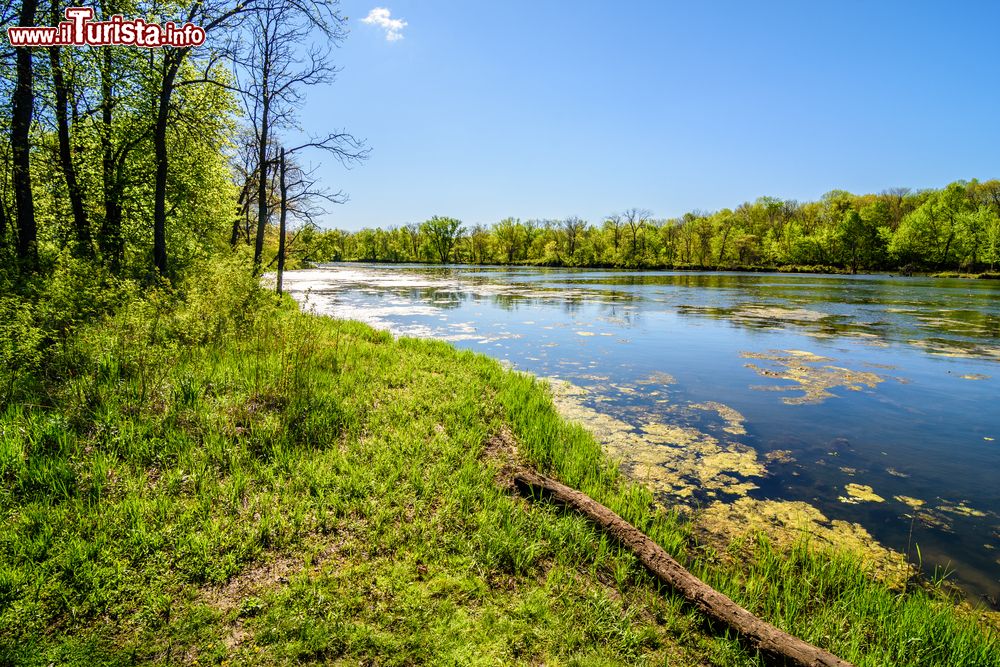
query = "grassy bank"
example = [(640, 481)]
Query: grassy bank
[(209, 475)]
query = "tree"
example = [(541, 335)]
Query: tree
[(212, 16), (272, 67), (991, 238), (573, 227), (613, 223), (635, 219), (282, 217), (853, 234), (61, 90), (509, 236), (442, 234), (479, 245), (928, 233), (23, 106), (724, 223), (896, 197)]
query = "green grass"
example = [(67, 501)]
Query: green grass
[(223, 479)]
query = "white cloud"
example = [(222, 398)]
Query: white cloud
[(382, 17)]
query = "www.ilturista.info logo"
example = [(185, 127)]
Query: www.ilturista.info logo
[(79, 29)]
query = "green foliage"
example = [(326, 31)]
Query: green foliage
[(113, 158), (20, 345), (957, 227), (441, 234)]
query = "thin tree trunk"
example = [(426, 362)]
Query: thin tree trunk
[(110, 236), (234, 236), (722, 248), (281, 219), (947, 247), (244, 204), (23, 104), (171, 63), (265, 120), (709, 601), (83, 237)]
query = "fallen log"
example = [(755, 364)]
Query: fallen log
[(712, 603)]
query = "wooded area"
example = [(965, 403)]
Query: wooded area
[(143, 160), (957, 227)]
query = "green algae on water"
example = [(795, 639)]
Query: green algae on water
[(813, 380), (674, 459), (914, 503), (785, 522), (734, 420), (860, 493)]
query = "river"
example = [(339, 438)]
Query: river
[(873, 399)]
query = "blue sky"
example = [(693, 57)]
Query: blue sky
[(482, 110)]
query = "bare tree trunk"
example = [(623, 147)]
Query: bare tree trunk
[(947, 247), (244, 208), (234, 236), (110, 237), (262, 137), (83, 237), (722, 247), (709, 601), (23, 104), (171, 63), (281, 219)]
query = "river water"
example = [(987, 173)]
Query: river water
[(873, 399)]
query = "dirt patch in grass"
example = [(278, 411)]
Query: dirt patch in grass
[(251, 582), (501, 448)]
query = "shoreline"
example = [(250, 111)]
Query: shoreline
[(777, 270), (977, 589), (780, 519)]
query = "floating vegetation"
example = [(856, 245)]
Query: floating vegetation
[(915, 503), (933, 519), (780, 456), (778, 314), (860, 493), (813, 380), (849, 471), (670, 458), (734, 420), (593, 377), (961, 509), (786, 522), (936, 517), (658, 377)]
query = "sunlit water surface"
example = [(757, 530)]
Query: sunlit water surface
[(885, 382)]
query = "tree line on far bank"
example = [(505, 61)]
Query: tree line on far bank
[(953, 228)]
